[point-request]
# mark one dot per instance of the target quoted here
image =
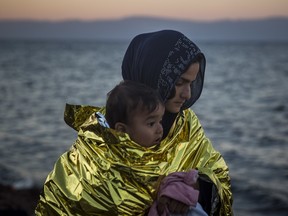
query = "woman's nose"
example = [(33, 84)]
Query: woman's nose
[(186, 92)]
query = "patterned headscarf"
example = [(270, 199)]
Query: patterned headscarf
[(158, 59)]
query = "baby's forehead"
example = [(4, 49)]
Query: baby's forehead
[(144, 109)]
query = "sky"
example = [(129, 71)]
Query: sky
[(203, 10)]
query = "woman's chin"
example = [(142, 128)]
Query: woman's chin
[(174, 110)]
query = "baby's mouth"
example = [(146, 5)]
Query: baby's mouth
[(157, 141)]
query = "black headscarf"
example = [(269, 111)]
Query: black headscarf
[(158, 59)]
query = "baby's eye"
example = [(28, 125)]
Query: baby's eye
[(150, 124)]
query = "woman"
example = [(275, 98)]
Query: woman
[(106, 173), (168, 61)]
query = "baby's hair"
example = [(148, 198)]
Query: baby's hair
[(128, 96)]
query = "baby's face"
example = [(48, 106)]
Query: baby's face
[(146, 128)]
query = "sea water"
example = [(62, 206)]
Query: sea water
[(243, 110)]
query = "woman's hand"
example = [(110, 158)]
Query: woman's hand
[(172, 205)]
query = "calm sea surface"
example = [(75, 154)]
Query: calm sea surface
[(243, 109)]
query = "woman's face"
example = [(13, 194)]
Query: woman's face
[(182, 89)]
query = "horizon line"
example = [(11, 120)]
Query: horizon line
[(140, 17)]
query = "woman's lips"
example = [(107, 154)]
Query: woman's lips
[(179, 103)]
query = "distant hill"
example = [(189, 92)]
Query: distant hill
[(270, 29)]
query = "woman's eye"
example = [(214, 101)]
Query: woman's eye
[(179, 83)]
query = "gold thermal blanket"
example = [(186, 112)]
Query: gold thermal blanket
[(105, 173)]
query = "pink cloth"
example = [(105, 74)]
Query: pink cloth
[(178, 186)]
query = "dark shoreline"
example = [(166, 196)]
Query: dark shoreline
[(20, 202)]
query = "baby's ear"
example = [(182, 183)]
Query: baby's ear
[(121, 127)]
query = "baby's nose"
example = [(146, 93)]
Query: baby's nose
[(159, 129)]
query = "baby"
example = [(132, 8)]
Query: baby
[(137, 110)]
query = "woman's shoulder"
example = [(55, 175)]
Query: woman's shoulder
[(189, 113), (189, 121)]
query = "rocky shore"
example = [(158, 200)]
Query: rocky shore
[(20, 202)]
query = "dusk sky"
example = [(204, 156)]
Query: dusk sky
[(108, 9)]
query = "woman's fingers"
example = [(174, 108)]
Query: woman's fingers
[(173, 205)]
